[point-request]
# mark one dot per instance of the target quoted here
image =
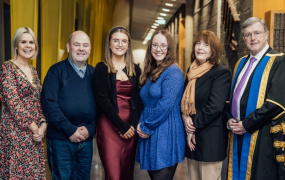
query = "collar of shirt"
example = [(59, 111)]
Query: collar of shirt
[(79, 71), (259, 55)]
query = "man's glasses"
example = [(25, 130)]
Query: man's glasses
[(256, 34)]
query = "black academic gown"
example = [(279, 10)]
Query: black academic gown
[(263, 164)]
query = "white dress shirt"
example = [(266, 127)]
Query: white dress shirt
[(258, 57)]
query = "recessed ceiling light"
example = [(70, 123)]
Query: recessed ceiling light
[(160, 18), (165, 10), (169, 4), (160, 21), (144, 42), (163, 14)]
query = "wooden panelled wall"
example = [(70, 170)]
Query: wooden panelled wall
[(58, 21)]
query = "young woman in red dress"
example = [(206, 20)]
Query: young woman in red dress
[(116, 89)]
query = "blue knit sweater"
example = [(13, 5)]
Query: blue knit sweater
[(68, 101)]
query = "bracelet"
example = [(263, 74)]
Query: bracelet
[(42, 122)]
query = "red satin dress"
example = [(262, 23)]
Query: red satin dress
[(117, 155)]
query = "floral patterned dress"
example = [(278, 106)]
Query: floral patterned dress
[(20, 156)]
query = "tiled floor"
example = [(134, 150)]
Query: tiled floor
[(97, 172)]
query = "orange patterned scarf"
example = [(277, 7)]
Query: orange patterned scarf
[(188, 99)]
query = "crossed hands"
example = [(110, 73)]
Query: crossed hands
[(190, 130), (141, 133), (80, 134), (236, 126), (129, 134), (38, 132)]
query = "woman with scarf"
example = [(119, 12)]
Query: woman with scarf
[(207, 86)]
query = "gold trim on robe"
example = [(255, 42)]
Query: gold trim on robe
[(276, 103), (280, 158), (278, 128), (260, 101)]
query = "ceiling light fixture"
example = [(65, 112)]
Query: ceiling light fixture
[(148, 36), (165, 10), (154, 27), (163, 14), (160, 18), (160, 21), (155, 24), (169, 4)]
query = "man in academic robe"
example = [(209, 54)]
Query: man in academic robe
[(256, 108)]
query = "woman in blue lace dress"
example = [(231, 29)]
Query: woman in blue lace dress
[(162, 138)]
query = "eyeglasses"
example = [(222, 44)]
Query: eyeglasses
[(163, 47), (256, 34), (123, 42)]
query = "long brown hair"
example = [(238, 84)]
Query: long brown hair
[(150, 66), (212, 39), (128, 56)]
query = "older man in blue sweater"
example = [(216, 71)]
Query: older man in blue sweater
[(70, 109)]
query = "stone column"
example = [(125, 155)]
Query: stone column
[(189, 11)]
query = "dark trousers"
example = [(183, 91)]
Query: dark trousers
[(68, 160)]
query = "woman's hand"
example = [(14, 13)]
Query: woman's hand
[(41, 133), (191, 141), (34, 128), (188, 123), (141, 133), (129, 134)]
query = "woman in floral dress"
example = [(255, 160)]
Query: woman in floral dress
[(22, 124)]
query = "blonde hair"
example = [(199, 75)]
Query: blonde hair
[(16, 39), (129, 59)]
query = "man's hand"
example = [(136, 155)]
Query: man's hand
[(76, 137), (236, 126), (84, 132)]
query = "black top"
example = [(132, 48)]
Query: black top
[(211, 92), (104, 88)]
